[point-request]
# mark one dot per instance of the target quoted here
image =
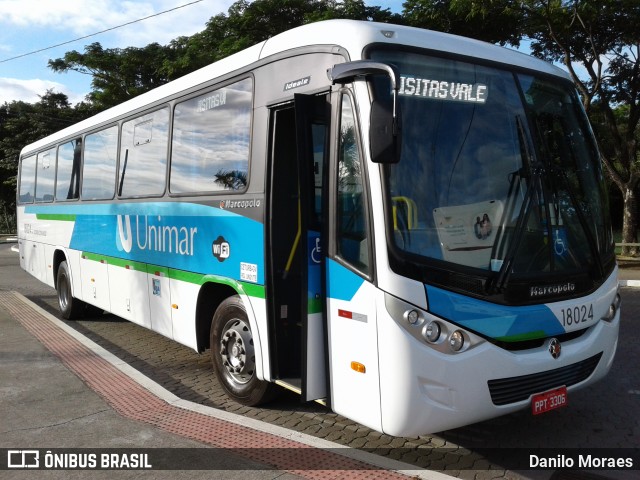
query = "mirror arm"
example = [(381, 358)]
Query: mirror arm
[(346, 72)]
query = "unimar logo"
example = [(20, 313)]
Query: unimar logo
[(154, 234)]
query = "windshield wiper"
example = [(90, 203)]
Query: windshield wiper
[(534, 186)]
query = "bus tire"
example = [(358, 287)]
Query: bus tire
[(233, 355), (70, 307)]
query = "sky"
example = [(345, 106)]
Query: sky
[(30, 25)]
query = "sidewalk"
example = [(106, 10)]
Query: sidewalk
[(58, 390)]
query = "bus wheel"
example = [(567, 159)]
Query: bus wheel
[(70, 307), (233, 355)]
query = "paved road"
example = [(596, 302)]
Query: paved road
[(605, 415)]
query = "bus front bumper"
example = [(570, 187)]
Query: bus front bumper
[(425, 391)]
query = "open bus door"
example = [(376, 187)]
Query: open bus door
[(295, 293)]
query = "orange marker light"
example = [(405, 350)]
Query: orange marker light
[(358, 367)]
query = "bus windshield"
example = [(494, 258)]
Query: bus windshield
[(499, 175)]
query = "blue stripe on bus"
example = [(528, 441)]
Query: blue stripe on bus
[(185, 236), (500, 322), (343, 283)]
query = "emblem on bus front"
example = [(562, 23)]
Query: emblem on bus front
[(555, 349), (566, 288)]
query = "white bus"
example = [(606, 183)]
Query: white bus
[(409, 226)]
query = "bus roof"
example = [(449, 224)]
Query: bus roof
[(354, 36), (351, 35)]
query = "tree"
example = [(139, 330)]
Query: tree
[(7, 195), (22, 123), (250, 22), (489, 20), (245, 24), (601, 36), (117, 74), (231, 179)]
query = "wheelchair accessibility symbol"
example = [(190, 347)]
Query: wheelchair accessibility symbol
[(316, 252), (559, 243)]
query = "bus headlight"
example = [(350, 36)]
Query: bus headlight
[(431, 332), (456, 341), (613, 309), (412, 316)]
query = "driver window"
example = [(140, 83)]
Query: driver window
[(352, 229)]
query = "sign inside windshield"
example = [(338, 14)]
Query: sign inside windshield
[(467, 232), (443, 90)]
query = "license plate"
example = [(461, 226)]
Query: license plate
[(547, 401)]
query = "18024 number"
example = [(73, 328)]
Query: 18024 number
[(577, 314)]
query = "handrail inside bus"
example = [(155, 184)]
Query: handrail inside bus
[(296, 241), (412, 212)]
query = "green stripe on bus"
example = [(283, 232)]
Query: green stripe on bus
[(523, 336), (60, 217), (253, 290), (315, 305), (95, 257), (250, 289)]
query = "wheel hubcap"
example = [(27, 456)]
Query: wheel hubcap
[(237, 352)]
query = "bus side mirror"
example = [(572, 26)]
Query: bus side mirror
[(384, 122), (384, 133)]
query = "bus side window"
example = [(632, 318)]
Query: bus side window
[(68, 180), (210, 140), (99, 169), (352, 229), (45, 176), (27, 187), (143, 155)]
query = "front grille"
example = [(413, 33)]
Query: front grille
[(515, 389)]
